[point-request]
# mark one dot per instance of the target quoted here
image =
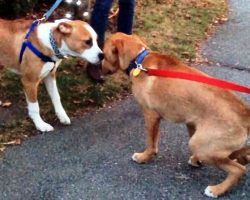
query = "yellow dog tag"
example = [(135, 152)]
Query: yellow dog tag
[(136, 72)]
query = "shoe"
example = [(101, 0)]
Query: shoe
[(95, 73)]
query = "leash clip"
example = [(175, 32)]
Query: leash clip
[(139, 66), (138, 69), (42, 19)]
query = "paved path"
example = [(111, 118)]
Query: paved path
[(91, 158), (230, 45)]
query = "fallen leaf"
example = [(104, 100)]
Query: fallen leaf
[(155, 33), (76, 102), (6, 104), (65, 72), (13, 142), (2, 149), (90, 100)]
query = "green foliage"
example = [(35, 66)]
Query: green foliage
[(18, 8)]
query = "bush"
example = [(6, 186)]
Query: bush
[(16, 8)]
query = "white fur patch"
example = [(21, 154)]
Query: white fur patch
[(34, 114), (92, 54), (190, 162), (134, 157), (15, 71), (148, 88), (47, 68), (150, 82), (43, 31), (51, 87), (209, 193), (58, 21)]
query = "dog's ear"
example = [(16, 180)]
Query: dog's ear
[(122, 53), (65, 28)]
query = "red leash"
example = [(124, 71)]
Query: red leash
[(199, 78)]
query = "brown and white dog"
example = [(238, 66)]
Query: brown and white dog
[(218, 122), (72, 38)]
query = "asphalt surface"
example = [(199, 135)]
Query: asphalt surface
[(92, 158), (230, 45)]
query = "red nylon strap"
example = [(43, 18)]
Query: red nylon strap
[(199, 78)]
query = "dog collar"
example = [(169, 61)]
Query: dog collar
[(137, 62), (56, 50)]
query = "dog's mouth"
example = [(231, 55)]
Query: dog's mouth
[(106, 71), (1, 66)]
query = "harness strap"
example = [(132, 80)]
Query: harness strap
[(26, 43), (32, 28), (38, 53)]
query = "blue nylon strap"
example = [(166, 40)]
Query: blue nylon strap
[(22, 52), (32, 28), (35, 51), (137, 61), (51, 10), (38, 53), (24, 45), (28, 44)]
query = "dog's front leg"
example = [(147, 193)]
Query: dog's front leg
[(152, 123), (30, 89), (51, 86)]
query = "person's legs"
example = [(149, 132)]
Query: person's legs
[(126, 16), (99, 21), (99, 18)]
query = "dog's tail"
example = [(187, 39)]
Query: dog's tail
[(242, 155)]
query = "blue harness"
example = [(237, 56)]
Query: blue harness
[(136, 63), (28, 44)]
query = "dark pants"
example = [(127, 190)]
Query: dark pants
[(99, 18)]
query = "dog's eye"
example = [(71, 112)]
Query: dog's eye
[(89, 42)]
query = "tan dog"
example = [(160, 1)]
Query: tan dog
[(218, 122), (71, 38)]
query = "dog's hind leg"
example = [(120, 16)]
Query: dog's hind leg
[(213, 147), (191, 129), (152, 123), (30, 88), (242, 156), (51, 86), (193, 160), (234, 170)]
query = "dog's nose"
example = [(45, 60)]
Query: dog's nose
[(101, 56)]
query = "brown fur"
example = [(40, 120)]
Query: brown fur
[(218, 121)]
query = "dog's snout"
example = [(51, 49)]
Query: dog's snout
[(101, 56)]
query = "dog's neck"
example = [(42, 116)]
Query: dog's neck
[(44, 34), (137, 62), (54, 45)]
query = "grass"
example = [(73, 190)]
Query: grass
[(174, 27), (177, 27)]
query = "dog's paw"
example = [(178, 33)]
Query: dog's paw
[(194, 162), (63, 117), (44, 127), (140, 157), (208, 192), (135, 157)]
